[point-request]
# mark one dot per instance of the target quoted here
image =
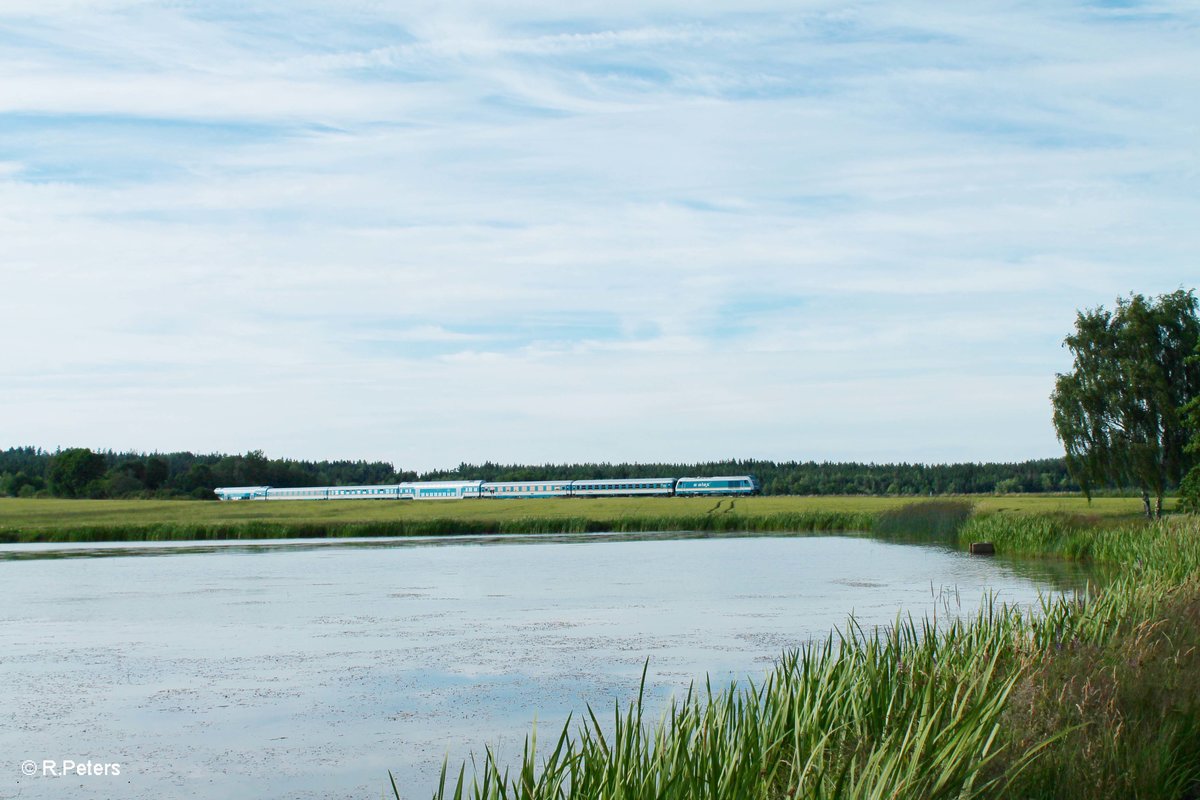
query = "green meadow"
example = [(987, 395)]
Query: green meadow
[(47, 520)]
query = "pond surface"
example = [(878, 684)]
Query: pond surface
[(309, 669)]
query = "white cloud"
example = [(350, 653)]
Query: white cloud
[(631, 232)]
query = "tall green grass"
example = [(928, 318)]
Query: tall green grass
[(936, 519), (1090, 697), (881, 715), (799, 521), (1168, 549)]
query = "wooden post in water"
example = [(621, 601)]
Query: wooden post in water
[(983, 549)]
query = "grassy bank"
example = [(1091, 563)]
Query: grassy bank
[(27, 520), (1094, 698)]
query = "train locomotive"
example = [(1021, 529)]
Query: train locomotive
[(725, 485)]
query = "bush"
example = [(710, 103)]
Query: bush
[(1189, 492)]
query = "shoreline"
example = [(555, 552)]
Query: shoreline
[(43, 520)]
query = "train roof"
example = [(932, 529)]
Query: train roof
[(607, 481), (443, 484), (718, 478)]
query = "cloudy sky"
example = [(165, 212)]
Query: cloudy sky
[(434, 232)]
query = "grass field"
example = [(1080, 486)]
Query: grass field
[(35, 519)]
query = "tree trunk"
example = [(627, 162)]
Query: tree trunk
[(1158, 506), (1146, 504)]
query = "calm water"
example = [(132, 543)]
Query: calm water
[(310, 669)]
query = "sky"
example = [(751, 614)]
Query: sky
[(442, 232)]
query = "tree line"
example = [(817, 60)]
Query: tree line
[(80, 472), (1128, 415), (810, 477)]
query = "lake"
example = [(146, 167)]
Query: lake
[(310, 668)]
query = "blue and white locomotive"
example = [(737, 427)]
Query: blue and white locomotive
[(464, 490)]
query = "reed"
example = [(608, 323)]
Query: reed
[(1090, 697), (931, 519), (799, 521)]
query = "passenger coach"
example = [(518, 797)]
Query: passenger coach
[(618, 487), (527, 489)]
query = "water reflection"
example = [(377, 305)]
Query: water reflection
[(311, 667), (16, 552)]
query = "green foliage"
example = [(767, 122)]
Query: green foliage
[(20, 484), (155, 472), (1008, 486), (73, 473), (1189, 487), (186, 474), (1189, 492), (1117, 412)]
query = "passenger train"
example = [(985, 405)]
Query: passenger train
[(464, 490)]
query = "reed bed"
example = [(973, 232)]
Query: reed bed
[(931, 519), (798, 521), (1090, 697), (1168, 548)]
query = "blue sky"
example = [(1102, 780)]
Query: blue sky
[(456, 231)]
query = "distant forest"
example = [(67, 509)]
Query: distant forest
[(79, 472)]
